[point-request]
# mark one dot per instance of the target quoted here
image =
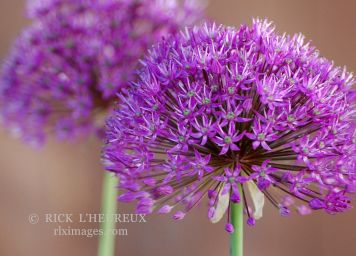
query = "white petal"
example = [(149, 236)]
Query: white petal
[(258, 199), (221, 206)]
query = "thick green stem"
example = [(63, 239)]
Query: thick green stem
[(109, 207), (236, 239)]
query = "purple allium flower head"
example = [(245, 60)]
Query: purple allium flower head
[(236, 116), (65, 69)]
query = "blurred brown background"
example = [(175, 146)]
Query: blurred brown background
[(66, 178)]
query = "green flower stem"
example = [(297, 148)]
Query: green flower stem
[(236, 238), (109, 207)]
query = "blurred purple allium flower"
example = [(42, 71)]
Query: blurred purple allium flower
[(217, 108), (65, 68)]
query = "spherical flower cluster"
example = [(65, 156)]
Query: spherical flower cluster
[(235, 116), (65, 68)]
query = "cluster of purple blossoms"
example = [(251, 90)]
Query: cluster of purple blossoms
[(235, 116), (65, 69)]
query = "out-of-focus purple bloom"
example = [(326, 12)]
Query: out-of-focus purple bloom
[(241, 108), (66, 67)]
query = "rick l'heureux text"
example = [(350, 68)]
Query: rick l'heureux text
[(94, 218)]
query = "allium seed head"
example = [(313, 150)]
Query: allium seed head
[(235, 116), (65, 69)]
